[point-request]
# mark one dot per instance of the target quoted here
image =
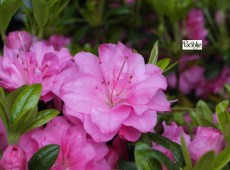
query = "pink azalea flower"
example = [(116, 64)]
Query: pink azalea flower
[(206, 139), (195, 26), (217, 84), (39, 64), (172, 132), (172, 80), (20, 40), (13, 159), (115, 93), (58, 41), (77, 150), (191, 79)]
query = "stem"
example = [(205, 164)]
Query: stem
[(210, 20), (12, 138)]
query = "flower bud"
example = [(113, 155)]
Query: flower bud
[(13, 159)]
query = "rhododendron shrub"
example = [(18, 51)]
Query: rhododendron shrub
[(108, 85)]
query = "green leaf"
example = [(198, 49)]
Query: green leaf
[(11, 97), (44, 158), (163, 63), (41, 13), (185, 152), (206, 161), (7, 9), (170, 67), (26, 100), (42, 118), (222, 159), (23, 120), (154, 54), (223, 118), (172, 146), (3, 109), (126, 165), (203, 109), (145, 156)]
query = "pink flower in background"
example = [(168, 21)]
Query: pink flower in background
[(195, 26), (172, 132), (13, 158), (58, 41), (77, 150), (172, 80), (190, 79), (206, 139), (20, 40), (217, 84), (39, 64), (115, 93)]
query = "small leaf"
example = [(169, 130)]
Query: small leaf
[(203, 109), (170, 67), (222, 159), (154, 54), (206, 161), (11, 97), (42, 118), (44, 158), (26, 100), (163, 63)]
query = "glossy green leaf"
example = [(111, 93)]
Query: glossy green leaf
[(163, 63), (222, 159), (154, 54), (23, 120), (44, 158), (11, 97), (206, 161), (26, 100), (42, 118), (7, 9), (145, 158), (166, 143)]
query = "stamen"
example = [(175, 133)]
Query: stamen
[(119, 74)]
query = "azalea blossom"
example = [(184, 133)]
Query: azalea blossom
[(37, 63), (206, 139), (58, 41), (77, 150), (115, 93), (195, 26)]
